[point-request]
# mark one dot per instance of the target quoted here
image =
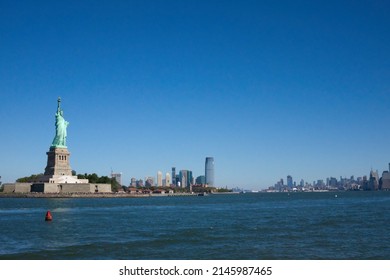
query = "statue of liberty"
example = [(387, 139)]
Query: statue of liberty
[(59, 140)]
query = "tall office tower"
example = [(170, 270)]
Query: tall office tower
[(209, 171), (174, 182), (183, 175), (167, 179), (149, 182), (190, 179), (289, 182), (159, 179), (373, 183), (133, 182), (183, 181), (385, 180), (333, 182), (140, 183), (186, 178)]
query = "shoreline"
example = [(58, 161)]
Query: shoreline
[(128, 195), (83, 195), (98, 195)]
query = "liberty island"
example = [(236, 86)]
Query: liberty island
[(58, 177)]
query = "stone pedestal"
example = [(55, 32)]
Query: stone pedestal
[(58, 169), (58, 162)]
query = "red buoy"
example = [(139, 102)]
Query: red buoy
[(48, 216)]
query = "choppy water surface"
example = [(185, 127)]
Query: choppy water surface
[(353, 225)]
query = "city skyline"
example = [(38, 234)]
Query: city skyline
[(375, 181), (291, 182), (177, 182), (267, 89)]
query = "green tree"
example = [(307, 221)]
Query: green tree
[(93, 178), (81, 176), (104, 180), (30, 179), (222, 190)]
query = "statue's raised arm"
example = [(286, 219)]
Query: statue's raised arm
[(59, 140)]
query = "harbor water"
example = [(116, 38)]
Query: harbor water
[(329, 225)]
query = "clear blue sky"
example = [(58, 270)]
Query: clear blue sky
[(268, 88)]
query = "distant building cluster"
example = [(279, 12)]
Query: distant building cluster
[(365, 183), (182, 179)]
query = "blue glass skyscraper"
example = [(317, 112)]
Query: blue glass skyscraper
[(209, 171), (289, 181), (174, 182), (185, 178)]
